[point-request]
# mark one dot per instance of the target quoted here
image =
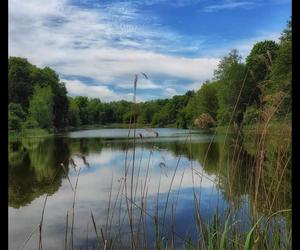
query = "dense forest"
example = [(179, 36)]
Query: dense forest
[(240, 92)]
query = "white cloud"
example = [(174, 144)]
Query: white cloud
[(113, 65), (170, 92), (78, 88), (228, 5), (195, 86), (142, 84), (109, 44), (244, 46)]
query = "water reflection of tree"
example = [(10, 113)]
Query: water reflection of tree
[(36, 170), (260, 174), (33, 164), (236, 163)]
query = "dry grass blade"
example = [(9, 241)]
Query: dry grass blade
[(83, 159), (169, 191), (95, 228), (41, 224), (87, 235), (29, 237), (158, 222), (66, 233), (63, 166), (144, 75), (73, 210), (103, 238), (109, 206), (72, 163), (270, 56), (135, 86)]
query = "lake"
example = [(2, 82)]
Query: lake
[(169, 174)]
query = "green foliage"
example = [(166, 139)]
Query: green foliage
[(14, 122), (20, 85), (249, 238), (281, 73), (286, 34), (171, 112), (60, 105), (251, 115), (280, 77), (30, 123), (160, 118), (23, 77), (223, 238), (225, 64), (82, 102), (204, 101), (16, 110), (259, 63), (232, 93), (147, 111), (41, 105), (48, 77), (260, 59), (16, 116), (93, 110), (73, 115)]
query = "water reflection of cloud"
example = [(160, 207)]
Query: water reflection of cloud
[(106, 168)]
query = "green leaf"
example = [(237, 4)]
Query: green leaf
[(223, 242), (248, 241)]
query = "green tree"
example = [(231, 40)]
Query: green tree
[(20, 84), (15, 109), (41, 106), (259, 63), (122, 107), (260, 59), (60, 106), (286, 34), (48, 77), (230, 74), (73, 114), (16, 116), (94, 109), (207, 100), (82, 102), (14, 122), (281, 72), (22, 79)]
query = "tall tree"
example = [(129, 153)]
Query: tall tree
[(41, 106), (259, 63), (20, 84), (231, 92), (82, 102), (73, 113)]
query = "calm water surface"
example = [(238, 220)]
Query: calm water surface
[(35, 170)]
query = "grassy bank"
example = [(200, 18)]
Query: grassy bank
[(37, 132), (258, 128)]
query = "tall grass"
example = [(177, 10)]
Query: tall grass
[(261, 173)]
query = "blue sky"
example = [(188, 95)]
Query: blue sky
[(97, 46)]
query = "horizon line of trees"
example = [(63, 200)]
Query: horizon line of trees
[(240, 92)]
